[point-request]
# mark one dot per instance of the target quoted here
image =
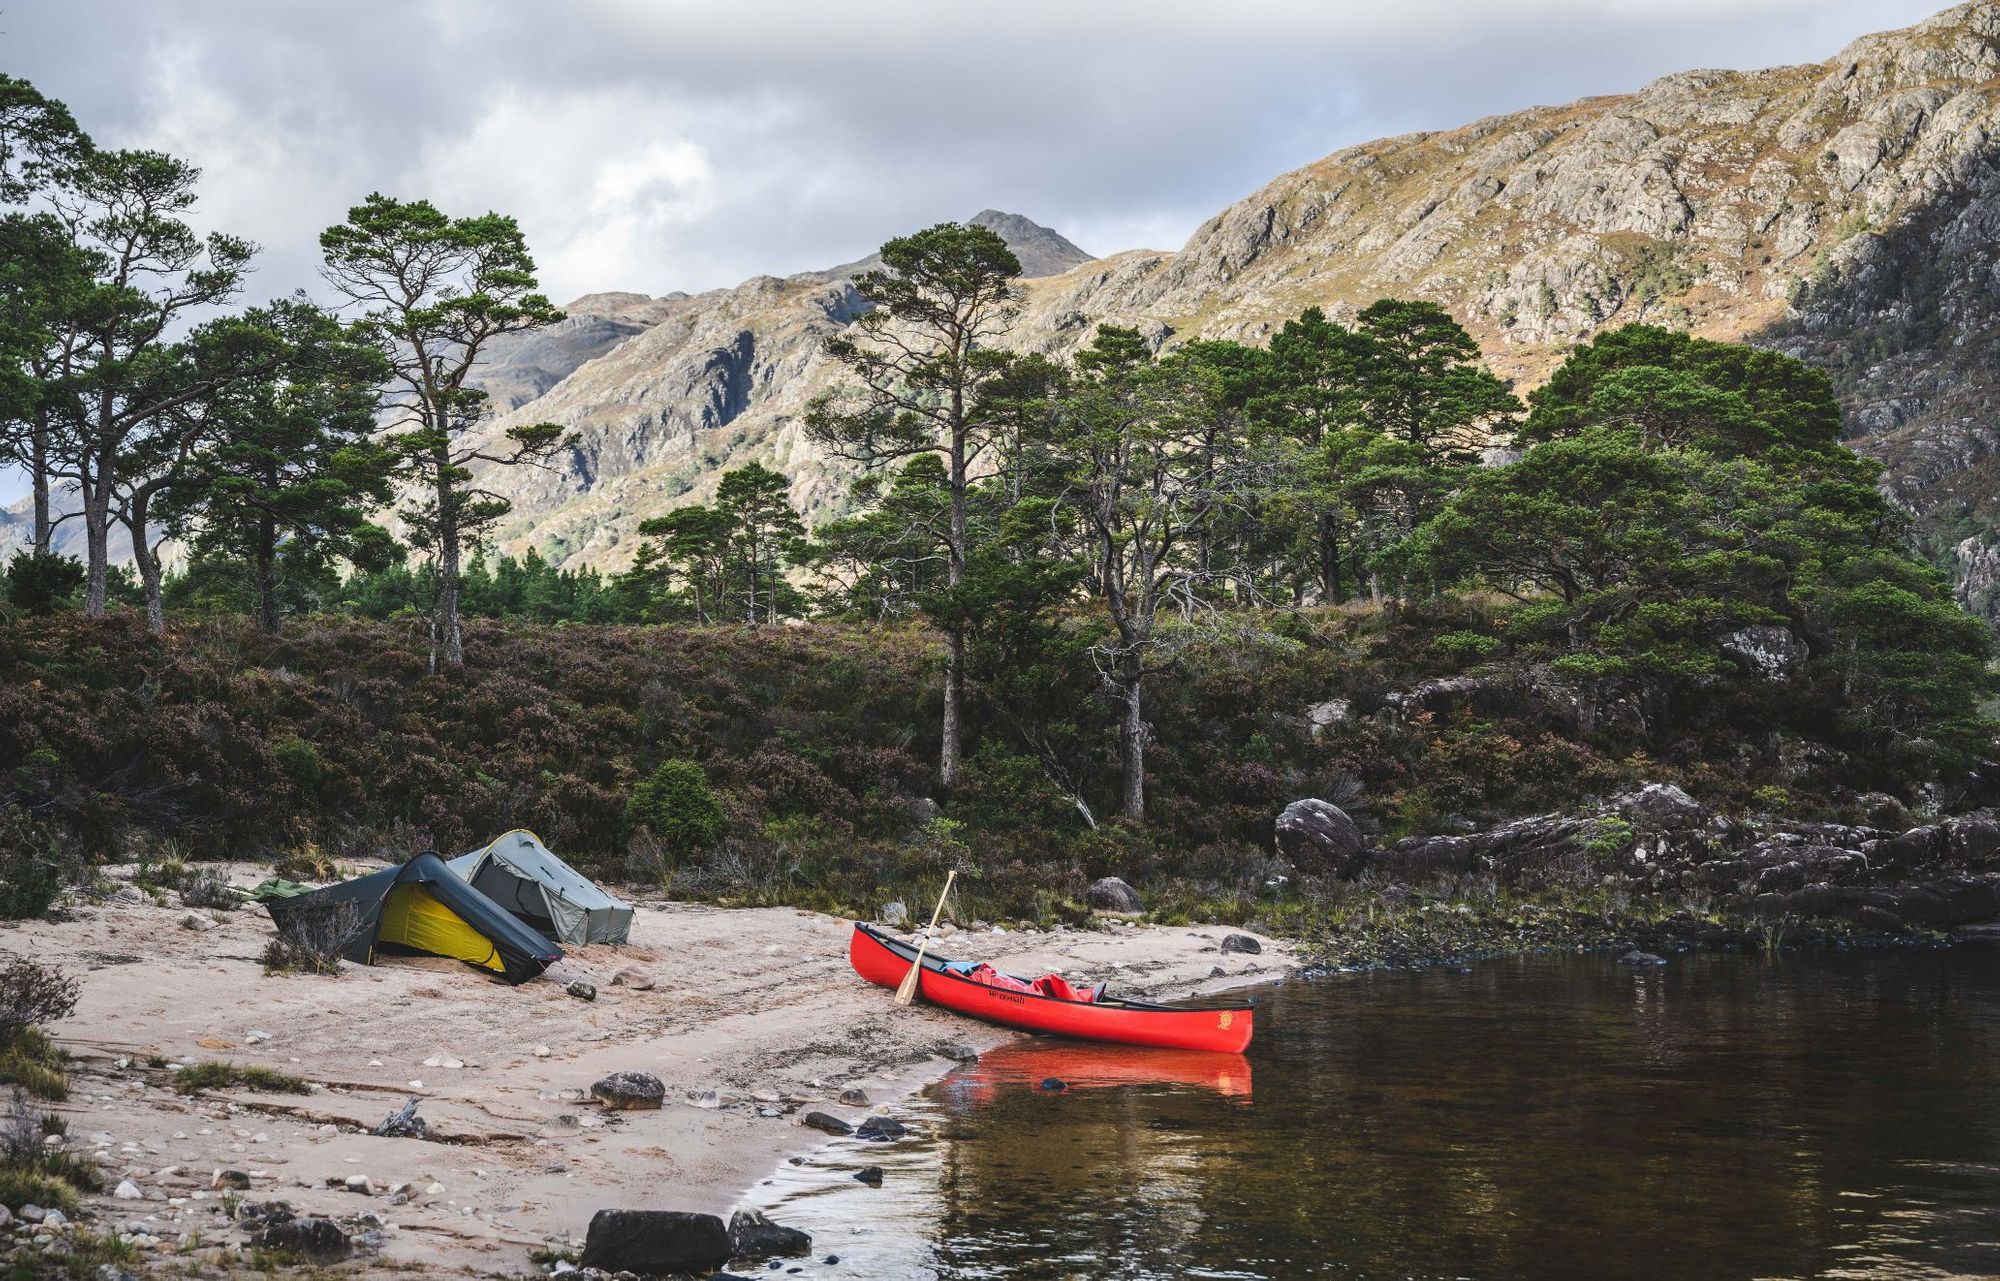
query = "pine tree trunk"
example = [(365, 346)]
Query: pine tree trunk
[(267, 577), (1331, 590), (1132, 738), (450, 635), (146, 558), (97, 546), (954, 669), (954, 695), (38, 468), (149, 574)]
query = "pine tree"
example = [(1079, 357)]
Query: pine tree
[(941, 298), (434, 291)]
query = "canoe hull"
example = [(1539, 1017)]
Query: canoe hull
[(884, 961)]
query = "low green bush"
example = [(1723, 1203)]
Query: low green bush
[(676, 805)]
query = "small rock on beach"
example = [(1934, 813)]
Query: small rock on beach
[(630, 1091), (826, 1123)]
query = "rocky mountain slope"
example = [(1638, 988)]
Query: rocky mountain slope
[(1845, 210)]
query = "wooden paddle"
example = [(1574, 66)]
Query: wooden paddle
[(906, 991)]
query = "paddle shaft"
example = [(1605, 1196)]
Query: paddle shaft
[(906, 991)]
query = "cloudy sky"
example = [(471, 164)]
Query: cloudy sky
[(657, 145)]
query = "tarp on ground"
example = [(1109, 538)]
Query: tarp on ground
[(277, 887), (421, 906), (524, 876)]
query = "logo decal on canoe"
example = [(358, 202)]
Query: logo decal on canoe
[(1225, 1018)]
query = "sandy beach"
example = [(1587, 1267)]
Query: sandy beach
[(757, 1005)]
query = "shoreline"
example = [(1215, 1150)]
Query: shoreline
[(758, 1005)]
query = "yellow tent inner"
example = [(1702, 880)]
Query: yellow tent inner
[(416, 918)]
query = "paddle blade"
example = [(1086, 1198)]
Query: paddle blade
[(906, 991)]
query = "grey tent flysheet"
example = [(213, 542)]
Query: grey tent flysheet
[(520, 873)]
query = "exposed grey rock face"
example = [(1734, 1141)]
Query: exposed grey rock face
[(1767, 650), (1848, 211), (520, 367)]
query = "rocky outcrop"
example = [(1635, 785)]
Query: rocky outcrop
[(1658, 839), (710, 382)]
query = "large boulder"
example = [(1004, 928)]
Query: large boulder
[(1318, 838), (661, 1242), (1110, 894), (1975, 842), (630, 1091), (1532, 844), (752, 1236)]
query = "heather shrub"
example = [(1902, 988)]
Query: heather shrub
[(310, 940), (31, 995), (36, 858), (207, 889)]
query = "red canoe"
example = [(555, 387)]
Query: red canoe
[(884, 960)]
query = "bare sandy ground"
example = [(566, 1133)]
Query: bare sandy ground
[(757, 1005)]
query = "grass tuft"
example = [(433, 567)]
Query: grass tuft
[(216, 1074), (35, 1064), (21, 1186)]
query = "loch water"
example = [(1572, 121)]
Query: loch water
[(1827, 1114)]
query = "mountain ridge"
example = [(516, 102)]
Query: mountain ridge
[(1753, 206)]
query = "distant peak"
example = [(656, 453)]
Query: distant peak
[(1042, 251)]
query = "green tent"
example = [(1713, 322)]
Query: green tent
[(420, 907)]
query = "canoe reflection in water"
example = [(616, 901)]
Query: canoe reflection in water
[(1044, 1063)]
